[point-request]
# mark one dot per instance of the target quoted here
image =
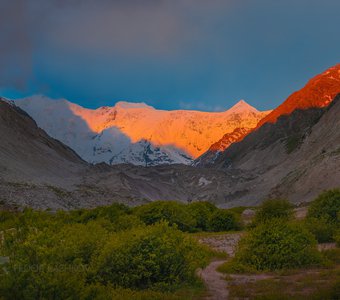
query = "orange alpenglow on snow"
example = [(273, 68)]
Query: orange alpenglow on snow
[(318, 92), (191, 131)]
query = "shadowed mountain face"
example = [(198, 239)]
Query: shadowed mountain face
[(26, 151), (296, 157)]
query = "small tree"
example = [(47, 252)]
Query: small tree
[(326, 205), (323, 215), (170, 211), (223, 220), (274, 209), (201, 212)]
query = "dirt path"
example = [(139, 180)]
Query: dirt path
[(215, 282)]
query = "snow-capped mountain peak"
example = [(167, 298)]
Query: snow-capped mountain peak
[(132, 105), (136, 132), (242, 107)]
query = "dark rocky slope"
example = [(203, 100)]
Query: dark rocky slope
[(297, 157)]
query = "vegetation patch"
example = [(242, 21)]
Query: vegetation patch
[(61, 193), (292, 143), (275, 245), (314, 284), (105, 253), (323, 217), (274, 209), (223, 220)]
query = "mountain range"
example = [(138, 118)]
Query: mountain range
[(293, 154), (135, 132)]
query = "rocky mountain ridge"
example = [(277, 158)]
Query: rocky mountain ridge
[(317, 93)]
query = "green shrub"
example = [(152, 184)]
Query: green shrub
[(126, 222), (326, 205), (170, 211), (337, 237), (56, 260), (224, 220), (274, 209), (157, 257), (276, 245), (50, 264), (201, 212), (323, 215), (322, 229), (111, 213)]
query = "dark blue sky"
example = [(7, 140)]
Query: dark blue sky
[(191, 54)]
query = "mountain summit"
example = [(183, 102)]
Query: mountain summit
[(317, 93), (241, 107), (135, 132)]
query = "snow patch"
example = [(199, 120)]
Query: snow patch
[(203, 181)]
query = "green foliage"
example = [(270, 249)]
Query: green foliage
[(276, 245), (274, 209), (337, 237), (201, 212), (326, 205), (93, 254), (158, 257), (223, 220), (174, 213), (323, 218), (110, 213), (322, 229), (332, 255)]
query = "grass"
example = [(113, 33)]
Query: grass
[(240, 209), (313, 284), (306, 284), (185, 293)]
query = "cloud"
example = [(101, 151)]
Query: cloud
[(149, 28), (15, 44)]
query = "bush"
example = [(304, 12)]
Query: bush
[(127, 222), (323, 215), (337, 237), (111, 213), (224, 220), (56, 260), (170, 211), (50, 264), (322, 229), (276, 245), (157, 257), (201, 212), (326, 205), (274, 209)]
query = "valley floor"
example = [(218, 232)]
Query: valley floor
[(314, 283)]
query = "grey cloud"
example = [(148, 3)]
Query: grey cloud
[(128, 27)]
